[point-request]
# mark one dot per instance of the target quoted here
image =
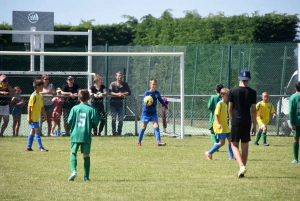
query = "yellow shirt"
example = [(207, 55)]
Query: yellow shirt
[(221, 111), (36, 103), (264, 110)]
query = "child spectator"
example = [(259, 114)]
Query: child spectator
[(35, 108), (82, 119), (264, 110), (57, 112), (17, 103), (149, 113), (294, 116), (220, 126)]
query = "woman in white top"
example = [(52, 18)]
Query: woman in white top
[(48, 92)]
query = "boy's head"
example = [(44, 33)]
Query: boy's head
[(265, 96), (218, 88), (224, 93), (297, 87), (58, 90), (153, 84), (83, 95), (17, 90), (38, 85)]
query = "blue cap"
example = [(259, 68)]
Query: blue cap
[(245, 75)]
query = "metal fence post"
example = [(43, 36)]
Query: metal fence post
[(106, 84), (229, 66), (194, 85)]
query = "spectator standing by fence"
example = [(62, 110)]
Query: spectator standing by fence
[(118, 90), (57, 112), (48, 90), (17, 103), (70, 89), (5, 89), (98, 91)]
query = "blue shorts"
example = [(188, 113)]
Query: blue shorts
[(223, 136), (34, 125), (146, 119)]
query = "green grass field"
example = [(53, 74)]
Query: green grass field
[(122, 171)]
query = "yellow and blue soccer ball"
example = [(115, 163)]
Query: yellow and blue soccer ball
[(148, 100)]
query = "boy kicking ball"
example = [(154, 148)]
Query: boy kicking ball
[(82, 119), (220, 126)]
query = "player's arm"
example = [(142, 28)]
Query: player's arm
[(217, 115), (29, 117), (273, 111), (161, 100), (292, 110), (210, 104), (230, 107), (254, 114)]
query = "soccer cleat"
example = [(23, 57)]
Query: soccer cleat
[(72, 176), (139, 144), (43, 149), (161, 144), (208, 156), (256, 143), (265, 144), (86, 179), (242, 171), (294, 161), (28, 149)]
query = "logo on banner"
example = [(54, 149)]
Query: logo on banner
[(33, 17)]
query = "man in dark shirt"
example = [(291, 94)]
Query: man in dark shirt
[(71, 89), (118, 91), (241, 100)]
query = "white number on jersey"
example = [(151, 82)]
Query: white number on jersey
[(81, 119)]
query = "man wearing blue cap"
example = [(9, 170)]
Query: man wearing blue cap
[(241, 100)]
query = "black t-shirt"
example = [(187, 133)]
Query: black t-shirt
[(96, 101), (69, 102), (117, 101), (242, 98)]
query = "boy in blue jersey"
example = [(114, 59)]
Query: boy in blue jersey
[(294, 115), (34, 109), (149, 113), (220, 126), (82, 118)]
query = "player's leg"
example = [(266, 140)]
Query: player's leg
[(258, 134), (230, 153), (296, 135), (30, 139), (264, 136), (221, 138), (38, 139), (154, 119), (73, 160), (85, 150)]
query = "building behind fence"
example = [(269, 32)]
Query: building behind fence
[(271, 66)]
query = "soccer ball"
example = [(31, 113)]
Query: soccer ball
[(148, 100)]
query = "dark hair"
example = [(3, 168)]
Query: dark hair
[(297, 86), (153, 79), (83, 95), (219, 87), (37, 83)]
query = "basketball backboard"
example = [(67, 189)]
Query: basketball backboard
[(24, 20)]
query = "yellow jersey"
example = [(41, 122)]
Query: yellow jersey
[(264, 110), (36, 103), (222, 112)]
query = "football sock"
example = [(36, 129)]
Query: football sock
[(296, 150), (258, 135), (73, 162), (87, 164), (214, 148), (38, 140), (30, 140), (230, 153), (141, 134), (157, 134), (213, 138), (264, 137)]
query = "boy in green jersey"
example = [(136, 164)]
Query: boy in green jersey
[(82, 119), (294, 115)]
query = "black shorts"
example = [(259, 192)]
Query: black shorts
[(241, 133)]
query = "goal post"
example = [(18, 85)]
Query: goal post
[(90, 54)]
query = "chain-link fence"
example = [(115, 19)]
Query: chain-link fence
[(271, 65)]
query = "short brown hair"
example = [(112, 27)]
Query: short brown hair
[(83, 95), (153, 79), (297, 86), (224, 91), (37, 83)]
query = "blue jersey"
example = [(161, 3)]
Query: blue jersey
[(151, 110)]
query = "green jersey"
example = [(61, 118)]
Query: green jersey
[(294, 109), (82, 119), (214, 99)]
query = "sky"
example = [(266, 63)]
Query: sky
[(111, 11)]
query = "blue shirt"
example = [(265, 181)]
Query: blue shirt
[(151, 110)]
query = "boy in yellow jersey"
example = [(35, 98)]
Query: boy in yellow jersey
[(34, 109), (264, 110), (220, 126)]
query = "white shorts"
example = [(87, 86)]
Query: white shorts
[(4, 110), (262, 126)]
